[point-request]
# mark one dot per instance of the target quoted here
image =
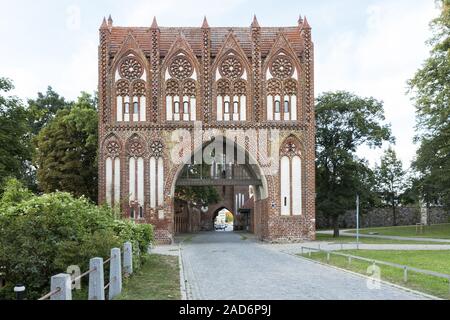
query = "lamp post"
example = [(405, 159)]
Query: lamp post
[(357, 221)]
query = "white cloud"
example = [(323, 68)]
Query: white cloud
[(81, 71), (378, 61)]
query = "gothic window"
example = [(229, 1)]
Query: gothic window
[(291, 191), (181, 89), (131, 90), (231, 88), (277, 106), (227, 107), (286, 106), (112, 172), (282, 88), (156, 177), (136, 151)]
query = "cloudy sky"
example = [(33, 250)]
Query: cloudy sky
[(369, 47)]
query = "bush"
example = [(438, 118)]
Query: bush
[(41, 236)]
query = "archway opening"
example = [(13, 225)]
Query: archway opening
[(203, 191), (224, 221)]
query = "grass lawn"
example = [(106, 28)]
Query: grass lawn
[(158, 279), (346, 239), (437, 261), (440, 231)]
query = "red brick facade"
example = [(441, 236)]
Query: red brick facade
[(134, 66)]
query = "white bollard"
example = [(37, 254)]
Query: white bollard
[(115, 274), (96, 280), (63, 283), (128, 258)]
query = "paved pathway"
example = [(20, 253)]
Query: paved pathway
[(348, 233), (222, 266)]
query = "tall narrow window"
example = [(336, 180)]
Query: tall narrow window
[(277, 106), (181, 89), (282, 86), (286, 106), (236, 107), (231, 89), (227, 107), (291, 179), (132, 90), (132, 215), (141, 213)]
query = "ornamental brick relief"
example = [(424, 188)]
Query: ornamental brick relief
[(143, 69)]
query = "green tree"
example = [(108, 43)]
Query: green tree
[(66, 155), (44, 108), (430, 89), (15, 141), (42, 235), (391, 182), (344, 123)]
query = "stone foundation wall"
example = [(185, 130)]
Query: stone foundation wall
[(382, 217)]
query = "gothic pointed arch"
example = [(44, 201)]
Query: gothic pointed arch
[(231, 73), (291, 177), (112, 146), (136, 151), (112, 150), (136, 146), (181, 75), (130, 78), (283, 77)]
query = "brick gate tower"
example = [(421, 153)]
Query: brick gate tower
[(254, 86)]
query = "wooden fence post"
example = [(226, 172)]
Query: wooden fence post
[(63, 283), (96, 280), (128, 258), (115, 274)]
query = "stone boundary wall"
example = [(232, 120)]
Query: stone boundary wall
[(382, 217)]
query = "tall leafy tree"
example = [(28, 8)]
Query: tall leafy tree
[(66, 155), (344, 123), (391, 182), (15, 141), (430, 88), (44, 108)]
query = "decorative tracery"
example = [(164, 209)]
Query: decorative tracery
[(131, 91), (136, 151), (131, 69), (181, 90), (282, 89), (282, 67), (181, 68), (136, 147), (112, 151), (156, 148), (291, 190), (290, 148), (231, 90), (231, 68)]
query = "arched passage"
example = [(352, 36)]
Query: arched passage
[(230, 173)]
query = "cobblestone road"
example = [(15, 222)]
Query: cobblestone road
[(223, 266)]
